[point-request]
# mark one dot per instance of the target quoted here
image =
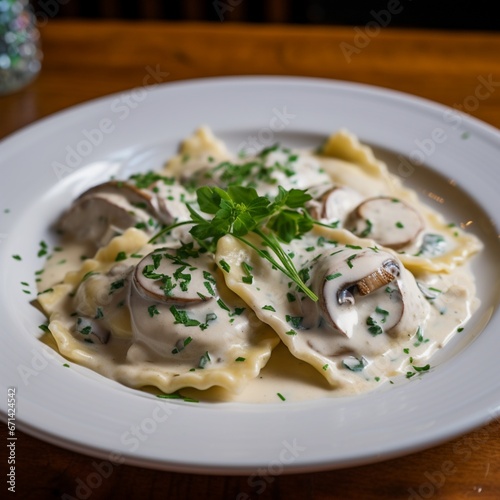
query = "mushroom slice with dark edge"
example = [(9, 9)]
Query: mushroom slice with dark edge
[(369, 289), (332, 203), (105, 211), (98, 219), (166, 275), (140, 198), (388, 221)]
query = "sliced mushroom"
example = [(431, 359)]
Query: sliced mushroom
[(107, 210), (165, 275), (332, 203), (389, 221), (140, 198), (368, 290), (98, 218)]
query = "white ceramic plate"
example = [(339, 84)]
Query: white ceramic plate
[(45, 165)]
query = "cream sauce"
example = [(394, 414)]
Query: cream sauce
[(221, 330)]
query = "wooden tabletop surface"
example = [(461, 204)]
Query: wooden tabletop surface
[(85, 60)]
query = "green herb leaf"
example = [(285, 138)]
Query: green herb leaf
[(373, 327), (153, 310), (331, 277), (240, 210), (120, 256), (269, 308)]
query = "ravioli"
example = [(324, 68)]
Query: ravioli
[(441, 247), (205, 305), (226, 348)]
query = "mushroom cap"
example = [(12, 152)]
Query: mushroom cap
[(134, 195), (370, 290), (390, 222), (347, 283), (332, 203), (98, 217), (164, 276)]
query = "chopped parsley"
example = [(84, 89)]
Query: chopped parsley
[(209, 317), (181, 317), (120, 256), (224, 266), (204, 360), (181, 344), (143, 181), (295, 321), (116, 285), (43, 249), (222, 305), (354, 364), (373, 327), (350, 259), (247, 270), (418, 369), (153, 310), (368, 229), (331, 277), (269, 308), (420, 337), (382, 313)]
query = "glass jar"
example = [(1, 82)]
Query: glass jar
[(20, 54)]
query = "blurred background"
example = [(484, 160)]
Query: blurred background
[(440, 14)]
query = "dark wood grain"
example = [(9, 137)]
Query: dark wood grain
[(85, 60)]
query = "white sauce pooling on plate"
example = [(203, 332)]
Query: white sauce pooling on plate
[(392, 278)]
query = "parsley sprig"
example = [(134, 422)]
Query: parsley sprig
[(240, 210)]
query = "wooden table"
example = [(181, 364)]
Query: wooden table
[(84, 60)]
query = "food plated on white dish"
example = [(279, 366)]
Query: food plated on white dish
[(320, 288)]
